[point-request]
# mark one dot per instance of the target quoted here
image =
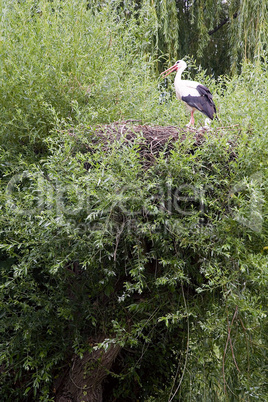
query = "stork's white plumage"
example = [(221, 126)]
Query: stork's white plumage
[(195, 95)]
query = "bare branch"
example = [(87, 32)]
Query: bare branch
[(223, 22)]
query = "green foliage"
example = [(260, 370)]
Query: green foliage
[(69, 63), (169, 262), (220, 35)]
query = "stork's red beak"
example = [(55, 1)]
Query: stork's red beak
[(169, 70)]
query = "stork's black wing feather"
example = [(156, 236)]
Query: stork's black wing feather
[(203, 103)]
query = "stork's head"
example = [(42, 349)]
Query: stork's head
[(179, 65)]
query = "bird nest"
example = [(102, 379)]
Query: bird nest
[(152, 140)]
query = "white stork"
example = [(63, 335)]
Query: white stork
[(195, 95)]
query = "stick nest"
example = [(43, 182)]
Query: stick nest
[(151, 139)]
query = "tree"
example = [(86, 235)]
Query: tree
[(219, 35), (132, 245)]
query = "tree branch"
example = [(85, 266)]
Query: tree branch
[(223, 22)]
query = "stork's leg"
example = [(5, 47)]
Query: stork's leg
[(191, 122)]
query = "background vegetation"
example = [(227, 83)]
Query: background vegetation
[(169, 262)]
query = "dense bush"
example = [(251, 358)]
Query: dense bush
[(170, 262)]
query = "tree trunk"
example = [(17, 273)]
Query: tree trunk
[(82, 382)]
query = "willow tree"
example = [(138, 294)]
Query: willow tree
[(218, 34), (249, 31), (130, 269)]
